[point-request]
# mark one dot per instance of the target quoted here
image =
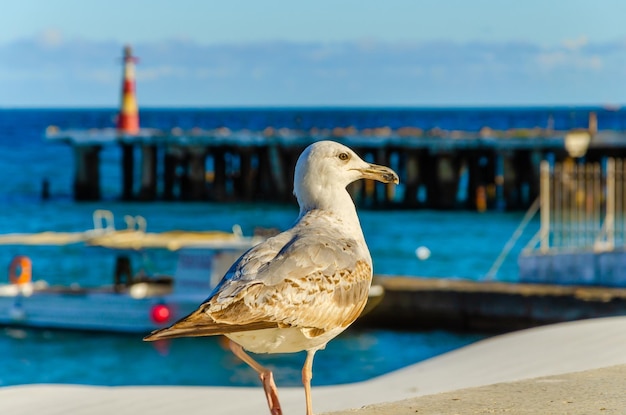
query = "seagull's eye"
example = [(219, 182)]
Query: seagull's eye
[(344, 156)]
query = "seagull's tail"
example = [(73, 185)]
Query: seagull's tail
[(174, 331), (199, 324)]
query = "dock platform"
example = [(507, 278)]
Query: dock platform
[(436, 303)]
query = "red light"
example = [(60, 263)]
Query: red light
[(160, 313)]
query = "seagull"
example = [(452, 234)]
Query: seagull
[(299, 289)]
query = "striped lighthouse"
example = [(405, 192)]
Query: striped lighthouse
[(128, 118)]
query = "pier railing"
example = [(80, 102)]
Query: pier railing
[(583, 206)]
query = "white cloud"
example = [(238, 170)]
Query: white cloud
[(156, 73), (100, 76), (35, 74), (322, 53), (50, 38), (549, 61), (208, 72), (576, 43)]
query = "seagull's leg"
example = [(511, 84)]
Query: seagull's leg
[(266, 376), (307, 375)]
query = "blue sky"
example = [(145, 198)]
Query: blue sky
[(315, 53)]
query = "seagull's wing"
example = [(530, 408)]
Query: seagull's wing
[(315, 281), (310, 280)]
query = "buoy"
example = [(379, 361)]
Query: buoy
[(128, 118), (160, 313), (20, 270), (422, 253)]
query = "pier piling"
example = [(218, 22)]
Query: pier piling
[(87, 176), (197, 174), (148, 190), (219, 175), (128, 168), (170, 163)]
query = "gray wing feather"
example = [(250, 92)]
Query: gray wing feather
[(306, 280)]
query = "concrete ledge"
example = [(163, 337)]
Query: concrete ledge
[(599, 391)]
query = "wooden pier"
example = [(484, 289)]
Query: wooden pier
[(438, 169)]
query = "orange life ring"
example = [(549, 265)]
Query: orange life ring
[(20, 270)]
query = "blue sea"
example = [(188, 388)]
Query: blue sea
[(462, 245)]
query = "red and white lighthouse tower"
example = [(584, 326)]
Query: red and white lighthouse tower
[(128, 118)]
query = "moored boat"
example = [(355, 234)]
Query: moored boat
[(128, 302)]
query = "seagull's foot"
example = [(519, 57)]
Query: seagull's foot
[(271, 392)]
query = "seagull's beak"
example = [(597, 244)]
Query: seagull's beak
[(380, 173)]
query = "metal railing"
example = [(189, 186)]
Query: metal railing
[(583, 206)]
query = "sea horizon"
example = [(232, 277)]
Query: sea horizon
[(609, 106)]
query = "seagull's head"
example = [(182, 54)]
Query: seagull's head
[(326, 167)]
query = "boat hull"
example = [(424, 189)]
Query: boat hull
[(96, 310)]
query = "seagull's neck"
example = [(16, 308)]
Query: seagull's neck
[(336, 202)]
